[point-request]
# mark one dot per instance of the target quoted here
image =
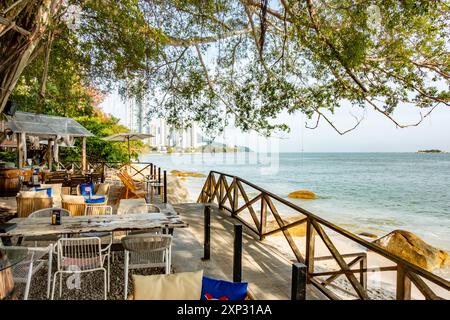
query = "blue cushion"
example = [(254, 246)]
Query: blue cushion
[(49, 191), (87, 189), (213, 289), (95, 200)]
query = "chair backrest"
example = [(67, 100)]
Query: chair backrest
[(145, 208), (46, 213), (79, 254), (147, 242), (126, 181), (97, 210), (26, 206)]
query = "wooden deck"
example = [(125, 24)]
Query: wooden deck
[(263, 266)]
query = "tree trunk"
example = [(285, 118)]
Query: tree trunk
[(31, 21)]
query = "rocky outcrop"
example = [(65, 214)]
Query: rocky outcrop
[(302, 194), (177, 191), (413, 249), (178, 173), (297, 231)]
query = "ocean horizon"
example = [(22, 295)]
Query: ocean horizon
[(375, 192)]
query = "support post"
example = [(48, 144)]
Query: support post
[(165, 186), (299, 278), (21, 150), (310, 246), (262, 229), (207, 233), (237, 253), (159, 181), (50, 154), (151, 171), (83, 155), (235, 196), (403, 284)]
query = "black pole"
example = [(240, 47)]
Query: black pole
[(237, 257), (159, 181), (165, 186), (207, 234), (298, 291), (151, 171)]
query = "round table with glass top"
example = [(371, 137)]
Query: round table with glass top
[(9, 256)]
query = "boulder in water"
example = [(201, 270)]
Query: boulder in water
[(302, 194), (413, 249), (178, 173)]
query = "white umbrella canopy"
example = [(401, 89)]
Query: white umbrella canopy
[(127, 137)]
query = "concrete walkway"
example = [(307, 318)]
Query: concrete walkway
[(263, 267)]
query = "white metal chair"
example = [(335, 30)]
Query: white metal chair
[(45, 213), (81, 255), (146, 251), (143, 209), (24, 271), (98, 210)]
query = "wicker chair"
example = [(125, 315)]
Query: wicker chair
[(27, 205), (146, 251), (74, 204), (100, 189)]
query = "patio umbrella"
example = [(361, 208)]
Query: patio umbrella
[(128, 136)]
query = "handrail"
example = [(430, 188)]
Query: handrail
[(220, 190)]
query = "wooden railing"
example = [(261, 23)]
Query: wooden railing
[(230, 194), (135, 169)]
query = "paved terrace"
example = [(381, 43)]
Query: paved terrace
[(263, 266)]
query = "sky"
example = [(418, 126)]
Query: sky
[(376, 133)]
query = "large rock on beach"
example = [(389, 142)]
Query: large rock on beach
[(413, 249), (178, 173), (302, 194), (297, 231), (177, 191)]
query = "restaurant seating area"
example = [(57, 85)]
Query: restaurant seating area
[(100, 237)]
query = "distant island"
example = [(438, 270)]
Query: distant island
[(431, 151)]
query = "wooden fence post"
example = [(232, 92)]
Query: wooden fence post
[(165, 186), (262, 229), (403, 284), (207, 233), (310, 244), (299, 278), (237, 253)]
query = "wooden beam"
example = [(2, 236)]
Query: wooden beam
[(310, 246), (286, 233), (341, 262), (250, 208), (423, 287), (403, 284), (83, 155), (21, 149)]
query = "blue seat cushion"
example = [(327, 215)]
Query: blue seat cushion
[(87, 189), (49, 191), (213, 289), (95, 200)]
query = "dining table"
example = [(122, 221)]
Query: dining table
[(102, 223)]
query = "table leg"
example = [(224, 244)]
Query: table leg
[(7, 241)]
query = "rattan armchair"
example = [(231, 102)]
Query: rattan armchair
[(30, 202)]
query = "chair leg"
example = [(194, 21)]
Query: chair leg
[(49, 270), (126, 257), (54, 285), (105, 276), (28, 284), (109, 272), (60, 285)]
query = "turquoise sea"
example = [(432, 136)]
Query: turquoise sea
[(373, 192)]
